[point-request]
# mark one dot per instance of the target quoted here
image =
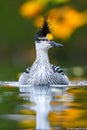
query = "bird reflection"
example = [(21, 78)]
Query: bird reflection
[(43, 97)]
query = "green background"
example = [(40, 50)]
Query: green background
[(17, 38)]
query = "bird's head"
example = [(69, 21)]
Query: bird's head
[(44, 38)]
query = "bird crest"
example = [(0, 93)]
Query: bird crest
[(45, 30)]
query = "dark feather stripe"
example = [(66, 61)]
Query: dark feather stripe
[(57, 69), (27, 70)]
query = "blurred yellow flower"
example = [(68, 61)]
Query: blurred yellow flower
[(64, 21), (38, 21), (61, 31), (31, 9)]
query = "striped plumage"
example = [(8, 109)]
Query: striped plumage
[(39, 74), (42, 72)]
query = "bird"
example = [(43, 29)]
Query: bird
[(42, 72)]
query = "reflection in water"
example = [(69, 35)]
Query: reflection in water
[(42, 108), (53, 107), (43, 96)]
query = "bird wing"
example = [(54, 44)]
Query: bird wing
[(60, 76), (24, 76), (27, 70), (57, 69)]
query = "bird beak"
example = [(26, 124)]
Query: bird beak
[(52, 43)]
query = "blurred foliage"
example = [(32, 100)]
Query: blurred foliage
[(19, 21)]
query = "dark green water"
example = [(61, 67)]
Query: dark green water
[(48, 108)]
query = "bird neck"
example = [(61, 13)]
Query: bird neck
[(42, 56)]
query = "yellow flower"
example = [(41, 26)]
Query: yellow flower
[(66, 20), (63, 21), (30, 9), (73, 17), (38, 21), (62, 31)]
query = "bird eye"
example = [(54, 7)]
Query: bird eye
[(43, 39)]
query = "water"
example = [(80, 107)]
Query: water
[(43, 108)]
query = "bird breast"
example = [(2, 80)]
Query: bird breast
[(40, 74)]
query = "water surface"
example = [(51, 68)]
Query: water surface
[(43, 107)]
